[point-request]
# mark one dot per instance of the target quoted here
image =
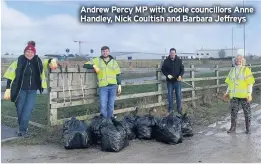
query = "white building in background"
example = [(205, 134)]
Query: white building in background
[(215, 53), (183, 56), (198, 54)]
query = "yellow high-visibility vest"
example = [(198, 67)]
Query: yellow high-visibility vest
[(10, 72), (107, 73), (238, 83)]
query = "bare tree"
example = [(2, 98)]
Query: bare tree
[(222, 53)]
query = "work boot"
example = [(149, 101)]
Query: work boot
[(19, 134), (248, 123), (233, 126)]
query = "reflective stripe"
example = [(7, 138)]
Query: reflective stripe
[(238, 86), (249, 76), (100, 63), (113, 65), (240, 76), (102, 79), (239, 91), (107, 75), (10, 72), (11, 69)]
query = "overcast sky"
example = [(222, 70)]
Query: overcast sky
[(54, 26)]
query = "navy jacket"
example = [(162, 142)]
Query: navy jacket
[(173, 67)]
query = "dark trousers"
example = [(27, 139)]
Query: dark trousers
[(107, 100), (235, 106), (177, 87), (24, 107)]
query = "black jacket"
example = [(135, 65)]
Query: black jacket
[(22, 81), (173, 67)]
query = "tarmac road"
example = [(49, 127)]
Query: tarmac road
[(211, 145)]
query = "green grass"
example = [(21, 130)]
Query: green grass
[(204, 113), (40, 113)]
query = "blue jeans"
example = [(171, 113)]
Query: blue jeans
[(177, 87), (107, 100), (24, 107)]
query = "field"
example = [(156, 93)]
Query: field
[(207, 110), (152, 63)]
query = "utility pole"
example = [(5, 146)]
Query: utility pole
[(232, 42), (244, 28), (80, 42)]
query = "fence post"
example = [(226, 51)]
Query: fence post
[(52, 112), (159, 85), (193, 92), (48, 98), (217, 75)]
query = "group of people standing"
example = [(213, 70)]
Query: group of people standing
[(26, 75)]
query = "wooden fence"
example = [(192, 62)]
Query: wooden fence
[(78, 86)]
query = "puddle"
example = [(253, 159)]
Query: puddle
[(221, 122), (221, 134), (225, 126), (209, 133), (258, 112), (254, 105), (212, 125)]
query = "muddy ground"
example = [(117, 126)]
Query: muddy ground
[(210, 144)]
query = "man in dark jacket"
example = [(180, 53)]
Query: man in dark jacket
[(173, 69)]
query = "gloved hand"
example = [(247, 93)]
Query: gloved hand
[(119, 89), (53, 64), (170, 76), (226, 97), (7, 94), (249, 98), (96, 69)]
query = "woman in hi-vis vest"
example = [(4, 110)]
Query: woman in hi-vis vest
[(24, 77), (240, 82)]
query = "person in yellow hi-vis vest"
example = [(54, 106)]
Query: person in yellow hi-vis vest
[(240, 81), (109, 83), (24, 77)]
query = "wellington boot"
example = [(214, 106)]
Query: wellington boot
[(233, 126), (248, 124)]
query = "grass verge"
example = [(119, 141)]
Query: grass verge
[(209, 109)]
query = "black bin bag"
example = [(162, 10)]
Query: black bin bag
[(129, 124), (144, 126), (113, 136), (95, 126), (186, 127), (168, 130), (76, 134)]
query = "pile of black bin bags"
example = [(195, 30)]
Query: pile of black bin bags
[(113, 135)]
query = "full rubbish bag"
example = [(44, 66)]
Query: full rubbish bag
[(76, 134), (95, 126), (144, 126), (168, 130), (113, 136), (129, 124), (186, 127)]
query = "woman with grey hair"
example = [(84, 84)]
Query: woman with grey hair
[(240, 81)]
